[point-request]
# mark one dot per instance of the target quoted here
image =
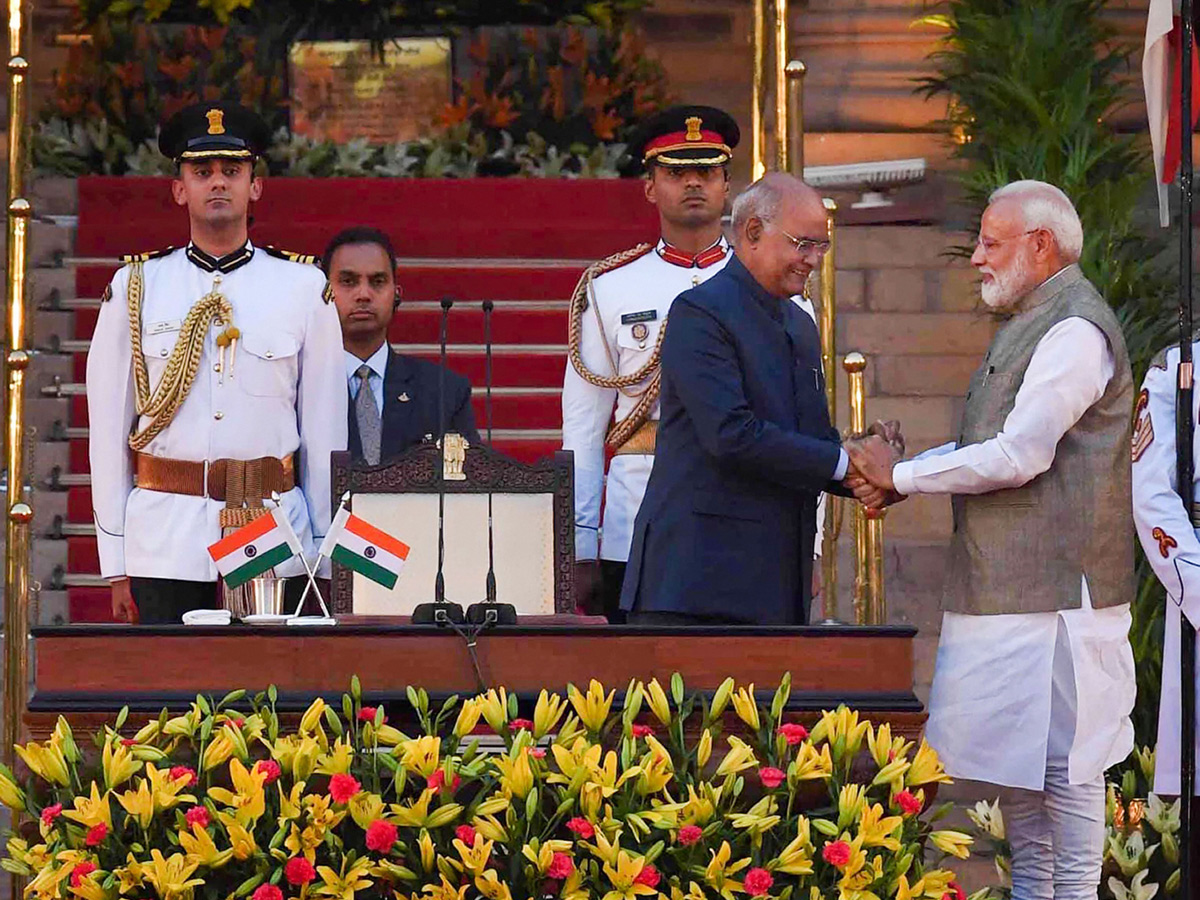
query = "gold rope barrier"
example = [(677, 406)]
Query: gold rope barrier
[(20, 515)]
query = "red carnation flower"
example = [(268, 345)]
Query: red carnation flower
[(381, 836), (518, 724), (955, 893), (648, 876), (909, 804), (690, 834), (267, 892), (367, 714), (197, 815), (343, 787), (238, 722), (561, 866), (437, 781), (50, 813), (771, 777), (298, 871), (127, 742), (538, 752), (582, 827), (178, 772), (836, 853), (81, 872), (96, 834), (640, 731), (793, 732), (757, 882), (466, 834), (270, 768)]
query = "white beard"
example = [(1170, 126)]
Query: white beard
[(1006, 287)]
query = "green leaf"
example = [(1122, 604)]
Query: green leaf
[(121, 717), (335, 724), (233, 697), (356, 688), (247, 886), (677, 687), (202, 702), (272, 694)]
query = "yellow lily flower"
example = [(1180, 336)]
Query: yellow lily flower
[(216, 752), (694, 892), (417, 814), (338, 760), (89, 889), (490, 885), (542, 855), (46, 761), (704, 748), (494, 708), (574, 764), (843, 730), (497, 803), (310, 722), (573, 888), (893, 772), (546, 713), (851, 799), (344, 884), (811, 764), (884, 747), (241, 839), (139, 803), (937, 881), (796, 857), (592, 707), (877, 830), (469, 712), (365, 808), (290, 805), (622, 873), (129, 876), (119, 764), (248, 797), (304, 842), (953, 842), (10, 794), (443, 891), (388, 736), (200, 848), (926, 768), (428, 856), (489, 826), (421, 756), (740, 756), (516, 774), (759, 819), (474, 858), (167, 791), (321, 812), (717, 873), (656, 699), (745, 707), (721, 698), (906, 892), (170, 877), (90, 811), (185, 725), (656, 767)]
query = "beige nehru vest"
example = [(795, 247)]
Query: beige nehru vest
[(1023, 550)]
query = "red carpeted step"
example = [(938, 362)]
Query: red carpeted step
[(79, 367), (85, 323), (527, 411), (465, 326), (508, 370), (83, 558), (79, 412), (529, 450), (78, 456), (79, 505), (92, 605)]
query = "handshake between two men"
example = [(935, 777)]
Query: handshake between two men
[(872, 456)]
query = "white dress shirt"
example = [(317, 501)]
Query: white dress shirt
[(279, 394), (378, 365), (989, 707)]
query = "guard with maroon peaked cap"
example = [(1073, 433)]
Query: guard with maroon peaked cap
[(214, 381), (618, 314)]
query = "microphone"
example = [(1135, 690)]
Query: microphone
[(490, 612), (439, 612)]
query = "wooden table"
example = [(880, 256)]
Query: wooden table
[(88, 673)]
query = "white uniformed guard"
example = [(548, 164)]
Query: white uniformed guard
[(215, 378), (618, 317), (1170, 542)]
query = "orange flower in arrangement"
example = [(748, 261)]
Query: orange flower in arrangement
[(574, 49), (605, 124), (212, 38), (554, 97), (456, 113), (477, 52), (130, 74), (597, 91), (177, 70), (498, 112)]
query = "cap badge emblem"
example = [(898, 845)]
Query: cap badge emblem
[(216, 121), (693, 128)]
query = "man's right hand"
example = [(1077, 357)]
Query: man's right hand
[(123, 607), (587, 587)]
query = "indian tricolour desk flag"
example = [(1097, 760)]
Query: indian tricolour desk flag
[(1161, 78), (359, 545), (248, 552)]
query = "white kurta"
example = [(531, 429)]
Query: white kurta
[(989, 707), (285, 392), (633, 302), (1171, 546)]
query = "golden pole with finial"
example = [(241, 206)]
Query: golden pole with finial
[(782, 131), (834, 507), (795, 72), (855, 363), (758, 90)]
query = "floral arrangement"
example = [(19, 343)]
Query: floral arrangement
[(579, 800)]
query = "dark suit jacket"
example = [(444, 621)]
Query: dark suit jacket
[(744, 448), (407, 422)]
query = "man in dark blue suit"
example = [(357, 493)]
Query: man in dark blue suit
[(393, 398), (745, 446)]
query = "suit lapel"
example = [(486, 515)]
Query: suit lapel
[(397, 415)]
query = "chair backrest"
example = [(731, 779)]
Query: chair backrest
[(533, 525)]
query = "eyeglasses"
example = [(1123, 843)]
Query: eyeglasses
[(990, 244), (804, 246)]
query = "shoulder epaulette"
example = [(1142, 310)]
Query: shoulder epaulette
[(304, 258), (617, 260), (1159, 360), (146, 257)]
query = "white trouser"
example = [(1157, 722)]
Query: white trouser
[(1057, 834)]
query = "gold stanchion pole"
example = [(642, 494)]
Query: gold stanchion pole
[(795, 79), (876, 604), (19, 514), (758, 152), (834, 508), (854, 364), (781, 86)]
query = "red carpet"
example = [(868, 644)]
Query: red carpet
[(529, 236)]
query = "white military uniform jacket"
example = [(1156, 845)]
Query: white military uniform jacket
[(632, 301), (284, 392), (1170, 542)]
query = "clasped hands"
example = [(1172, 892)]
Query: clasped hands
[(872, 456)]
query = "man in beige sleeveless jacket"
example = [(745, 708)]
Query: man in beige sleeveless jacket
[(1034, 681)]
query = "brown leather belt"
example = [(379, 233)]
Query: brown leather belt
[(221, 479), (642, 442)]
